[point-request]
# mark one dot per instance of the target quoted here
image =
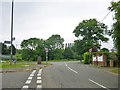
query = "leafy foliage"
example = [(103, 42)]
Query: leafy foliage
[(115, 32), (92, 32), (104, 50)]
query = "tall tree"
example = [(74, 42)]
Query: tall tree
[(32, 48), (92, 32), (55, 41), (115, 6)]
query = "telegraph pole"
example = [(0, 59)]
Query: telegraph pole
[(11, 32)]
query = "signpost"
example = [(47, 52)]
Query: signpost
[(46, 50), (7, 42), (90, 50)]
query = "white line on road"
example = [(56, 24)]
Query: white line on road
[(38, 77), (26, 86), (33, 71), (30, 77), (98, 84), (39, 81), (39, 86), (71, 68), (28, 82), (38, 74)]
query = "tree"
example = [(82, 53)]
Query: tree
[(32, 48), (115, 32), (104, 50), (31, 43), (92, 32), (55, 41), (18, 56), (68, 53), (58, 54), (5, 49)]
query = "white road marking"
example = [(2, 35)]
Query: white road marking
[(38, 77), (40, 71), (39, 86), (33, 71), (26, 86), (38, 74), (98, 84), (71, 68), (65, 64), (30, 77), (39, 81), (28, 82)]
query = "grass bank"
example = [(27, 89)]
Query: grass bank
[(20, 64)]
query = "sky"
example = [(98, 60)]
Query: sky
[(43, 18)]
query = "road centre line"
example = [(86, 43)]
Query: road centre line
[(71, 68), (98, 84)]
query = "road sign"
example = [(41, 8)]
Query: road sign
[(90, 50), (46, 50), (7, 42)]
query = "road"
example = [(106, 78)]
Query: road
[(61, 75)]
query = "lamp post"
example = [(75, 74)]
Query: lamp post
[(11, 32)]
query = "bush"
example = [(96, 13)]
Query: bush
[(86, 58)]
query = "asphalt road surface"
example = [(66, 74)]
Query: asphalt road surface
[(61, 75)]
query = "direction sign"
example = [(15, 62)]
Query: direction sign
[(7, 42)]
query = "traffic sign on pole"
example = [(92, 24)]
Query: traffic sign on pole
[(90, 50), (7, 42)]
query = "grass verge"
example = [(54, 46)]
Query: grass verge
[(115, 70), (20, 64)]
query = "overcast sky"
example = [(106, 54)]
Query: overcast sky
[(43, 18)]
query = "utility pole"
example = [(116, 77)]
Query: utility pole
[(11, 32)]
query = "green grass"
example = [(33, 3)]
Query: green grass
[(115, 70), (6, 65), (20, 64)]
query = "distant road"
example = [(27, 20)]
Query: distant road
[(61, 75)]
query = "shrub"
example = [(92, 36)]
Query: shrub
[(86, 58)]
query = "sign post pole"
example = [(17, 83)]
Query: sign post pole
[(46, 50), (90, 50)]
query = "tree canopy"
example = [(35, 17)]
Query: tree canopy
[(92, 32), (115, 32)]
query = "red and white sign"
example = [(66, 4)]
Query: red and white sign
[(46, 50), (90, 50)]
